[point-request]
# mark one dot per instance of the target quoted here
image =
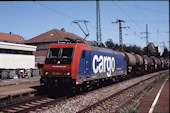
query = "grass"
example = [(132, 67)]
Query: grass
[(131, 109), (128, 109)]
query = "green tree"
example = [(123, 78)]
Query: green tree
[(130, 49)]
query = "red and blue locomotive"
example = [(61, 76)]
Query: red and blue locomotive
[(78, 65)]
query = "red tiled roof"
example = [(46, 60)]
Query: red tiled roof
[(54, 35), (11, 37)]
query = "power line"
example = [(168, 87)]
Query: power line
[(158, 34), (55, 10), (147, 20), (127, 15), (151, 21), (59, 12), (132, 19), (152, 10)]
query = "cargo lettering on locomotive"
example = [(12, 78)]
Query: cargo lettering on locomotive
[(106, 63)]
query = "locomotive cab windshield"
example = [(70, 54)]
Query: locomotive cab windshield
[(59, 56)]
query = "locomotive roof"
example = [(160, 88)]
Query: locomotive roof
[(105, 50), (93, 48)]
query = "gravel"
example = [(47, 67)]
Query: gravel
[(78, 102), (112, 104)]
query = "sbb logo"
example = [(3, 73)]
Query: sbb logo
[(105, 63)]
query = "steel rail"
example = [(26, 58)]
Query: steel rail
[(116, 93), (130, 100), (41, 105), (22, 102), (28, 108)]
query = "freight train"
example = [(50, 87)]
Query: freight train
[(81, 66)]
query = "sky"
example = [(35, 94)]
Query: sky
[(30, 19)]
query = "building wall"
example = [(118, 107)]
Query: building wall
[(42, 46), (7, 45), (16, 61), (40, 59)]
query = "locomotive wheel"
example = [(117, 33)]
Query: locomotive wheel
[(113, 79), (80, 89), (73, 90), (97, 83)]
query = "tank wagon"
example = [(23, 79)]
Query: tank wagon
[(168, 63), (149, 64), (163, 63), (157, 64), (79, 65), (135, 64)]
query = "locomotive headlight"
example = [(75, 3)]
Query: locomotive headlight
[(47, 73), (67, 73)]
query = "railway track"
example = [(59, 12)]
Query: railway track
[(29, 105), (102, 104), (43, 103)]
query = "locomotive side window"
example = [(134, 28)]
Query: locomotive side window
[(83, 54)]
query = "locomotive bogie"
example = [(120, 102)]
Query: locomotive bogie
[(57, 82)]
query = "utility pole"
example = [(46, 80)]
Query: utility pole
[(147, 38), (120, 32), (83, 21), (98, 24)]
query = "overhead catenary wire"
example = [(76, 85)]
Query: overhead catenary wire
[(59, 12), (68, 16), (130, 17), (148, 21), (152, 10), (104, 31), (55, 10), (153, 27), (127, 15)]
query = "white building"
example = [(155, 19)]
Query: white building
[(16, 57)]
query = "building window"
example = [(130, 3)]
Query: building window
[(10, 51)]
